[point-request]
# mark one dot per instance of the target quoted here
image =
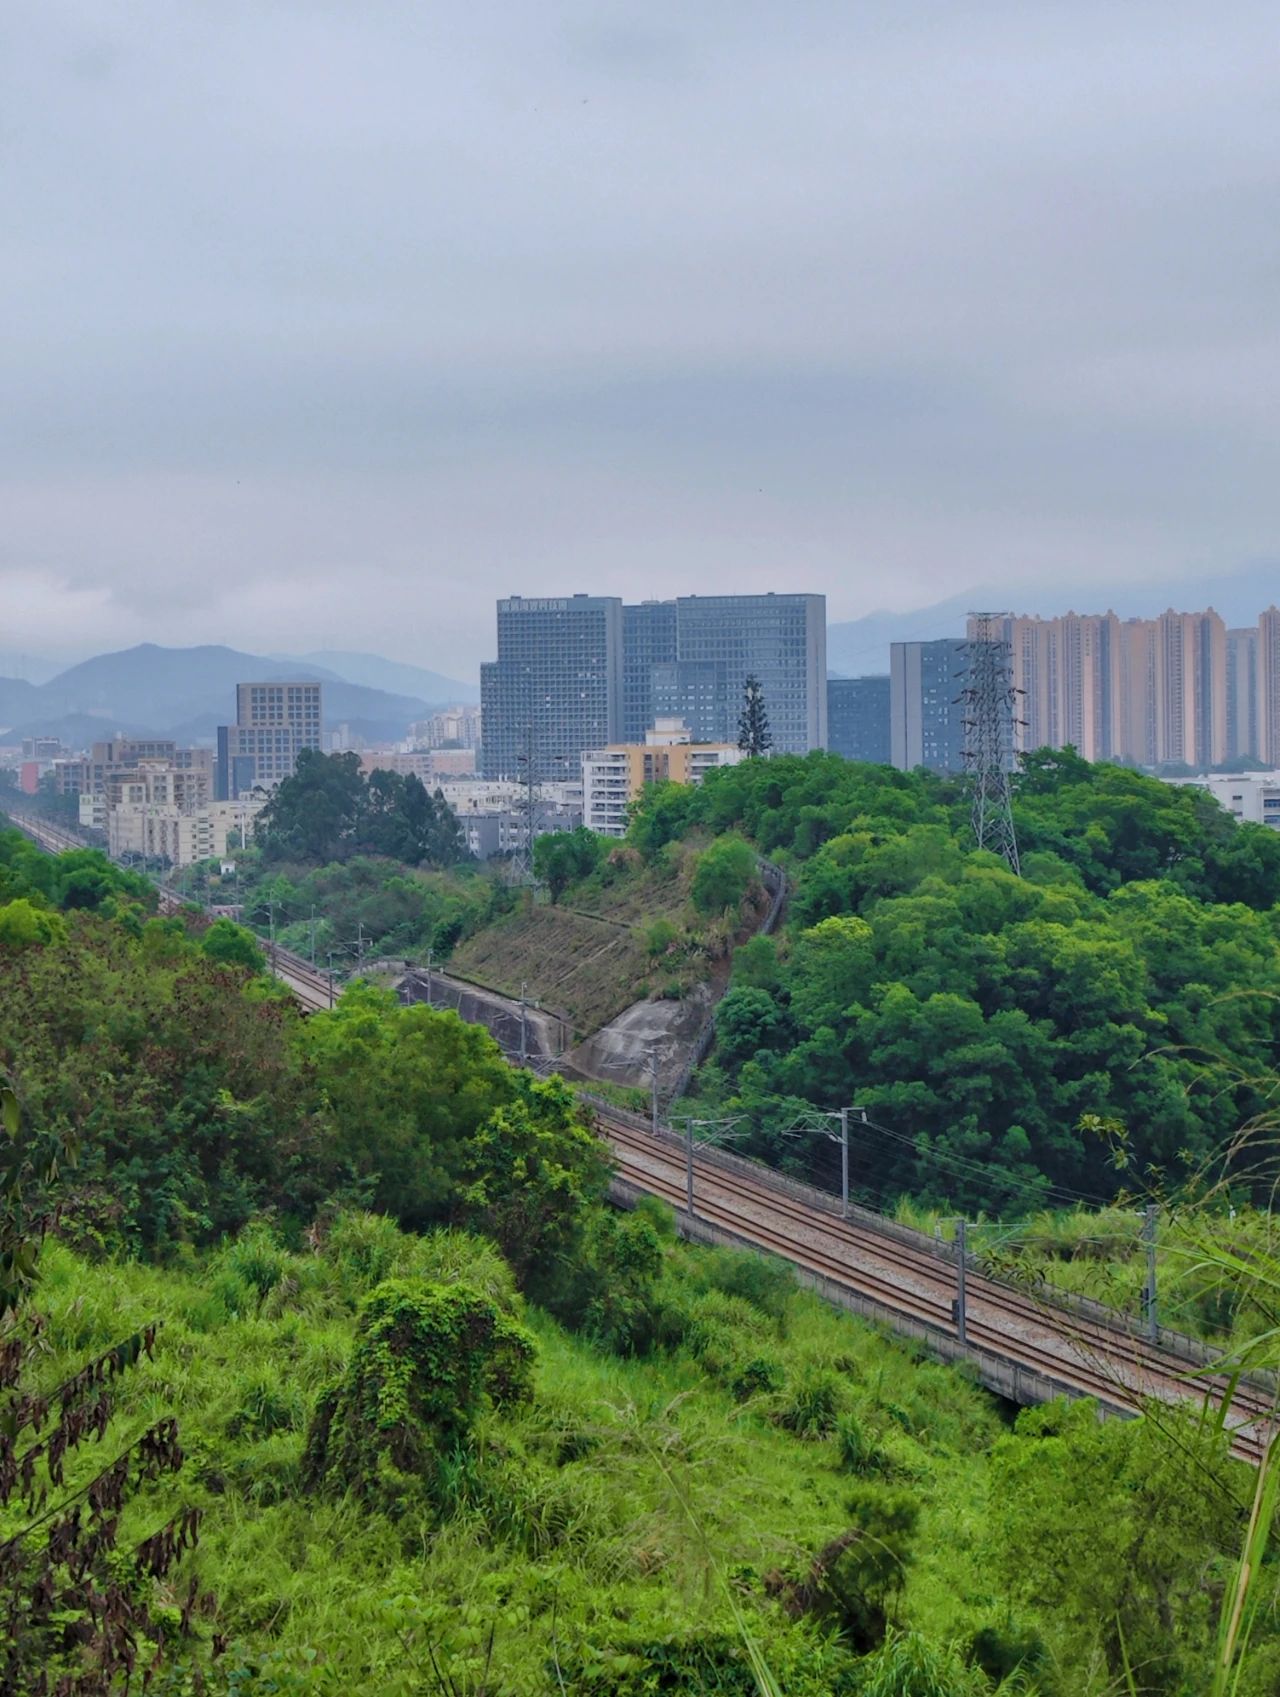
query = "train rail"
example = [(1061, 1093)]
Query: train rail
[(1015, 1337), (1065, 1352)]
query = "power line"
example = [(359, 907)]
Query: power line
[(984, 1170)]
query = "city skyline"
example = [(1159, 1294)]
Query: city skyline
[(331, 321)]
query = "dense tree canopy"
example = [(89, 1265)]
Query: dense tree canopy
[(328, 810), (980, 1017)]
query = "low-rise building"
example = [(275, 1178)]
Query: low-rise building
[(453, 728), (613, 777), (163, 831), (1252, 797)]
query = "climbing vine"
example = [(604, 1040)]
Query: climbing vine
[(427, 1359)]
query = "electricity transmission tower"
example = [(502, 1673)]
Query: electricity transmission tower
[(989, 698)]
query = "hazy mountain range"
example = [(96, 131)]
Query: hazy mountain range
[(186, 693)]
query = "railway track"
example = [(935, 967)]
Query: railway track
[(1013, 1336), (1074, 1353)]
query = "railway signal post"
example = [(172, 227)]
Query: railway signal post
[(1149, 1311)]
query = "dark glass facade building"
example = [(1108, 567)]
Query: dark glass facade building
[(648, 640), (858, 718)]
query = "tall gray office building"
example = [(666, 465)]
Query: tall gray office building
[(274, 723), (926, 715), (648, 640), (721, 640), (555, 688)]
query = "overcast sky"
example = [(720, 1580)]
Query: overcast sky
[(328, 321)]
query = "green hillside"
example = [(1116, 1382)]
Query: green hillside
[(326, 1367), (628, 930)]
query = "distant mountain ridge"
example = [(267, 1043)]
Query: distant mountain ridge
[(183, 693), (373, 671)]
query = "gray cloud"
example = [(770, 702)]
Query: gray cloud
[(336, 322)]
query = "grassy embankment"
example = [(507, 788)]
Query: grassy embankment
[(632, 1504), (627, 932), (1102, 1255)]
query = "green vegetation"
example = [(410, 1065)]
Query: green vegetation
[(339, 1303), (562, 858), (390, 910), (328, 810), (994, 1026), (623, 930)]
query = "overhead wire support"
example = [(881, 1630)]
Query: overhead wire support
[(989, 700), (840, 1117), (720, 1130)]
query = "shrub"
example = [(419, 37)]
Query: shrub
[(909, 1665), (723, 875), (859, 1452), (250, 1268), (266, 1406), (764, 1281), (426, 1360), (760, 1375), (363, 1247), (814, 1406), (660, 937)]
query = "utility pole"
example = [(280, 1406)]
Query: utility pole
[(988, 698), (690, 1126), (524, 1024), (313, 933), (653, 1086), (332, 952), (844, 1163), (840, 1116), (1149, 1289), (430, 1003), (961, 1267), (359, 947)]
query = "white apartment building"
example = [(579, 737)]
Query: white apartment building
[(1251, 797), (162, 831)]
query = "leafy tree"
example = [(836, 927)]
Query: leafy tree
[(724, 873), (404, 1090), (561, 858), (25, 925), (314, 813), (748, 1020), (530, 1171), (659, 815), (232, 945), (754, 735), (327, 811), (1112, 1528), (181, 1084)]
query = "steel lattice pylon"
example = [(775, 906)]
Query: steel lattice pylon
[(989, 698)]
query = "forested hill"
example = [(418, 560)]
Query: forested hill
[(325, 1368), (1088, 1026)]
